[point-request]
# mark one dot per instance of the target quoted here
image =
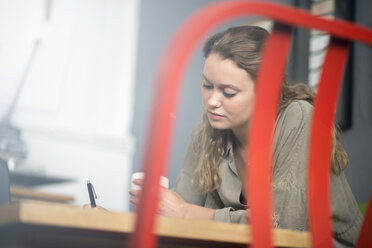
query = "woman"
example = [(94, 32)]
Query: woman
[(211, 184)]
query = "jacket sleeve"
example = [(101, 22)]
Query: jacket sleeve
[(290, 166), (347, 218), (231, 215), (187, 183)]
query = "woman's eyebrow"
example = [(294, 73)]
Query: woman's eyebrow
[(206, 79), (221, 85)]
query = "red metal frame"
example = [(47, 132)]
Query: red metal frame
[(321, 142), (268, 85), (168, 83)]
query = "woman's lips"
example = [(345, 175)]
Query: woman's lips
[(215, 116)]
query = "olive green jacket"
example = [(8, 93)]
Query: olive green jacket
[(289, 182)]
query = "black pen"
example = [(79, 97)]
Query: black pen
[(92, 194)]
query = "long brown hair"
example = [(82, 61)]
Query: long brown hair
[(244, 46)]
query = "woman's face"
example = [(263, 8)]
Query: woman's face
[(228, 94)]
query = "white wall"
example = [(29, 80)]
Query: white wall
[(75, 109)]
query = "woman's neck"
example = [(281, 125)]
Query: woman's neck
[(240, 138), (240, 144)]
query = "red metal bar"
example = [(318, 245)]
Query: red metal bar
[(365, 237), (168, 82), (321, 143), (269, 84)]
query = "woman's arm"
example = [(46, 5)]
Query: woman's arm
[(173, 205)]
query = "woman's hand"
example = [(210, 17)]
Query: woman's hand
[(170, 204)]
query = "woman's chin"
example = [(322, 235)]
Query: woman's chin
[(219, 126)]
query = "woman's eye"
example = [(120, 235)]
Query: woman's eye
[(228, 94)]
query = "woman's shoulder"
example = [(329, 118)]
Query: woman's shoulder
[(297, 112), (295, 116), (298, 107)]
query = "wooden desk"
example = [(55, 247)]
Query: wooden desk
[(39, 224), (18, 193)]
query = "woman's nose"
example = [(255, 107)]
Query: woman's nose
[(214, 100)]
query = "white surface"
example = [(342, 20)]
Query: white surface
[(164, 181), (75, 110)]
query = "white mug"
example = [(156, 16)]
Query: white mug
[(140, 175)]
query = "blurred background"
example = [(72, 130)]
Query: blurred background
[(76, 84)]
